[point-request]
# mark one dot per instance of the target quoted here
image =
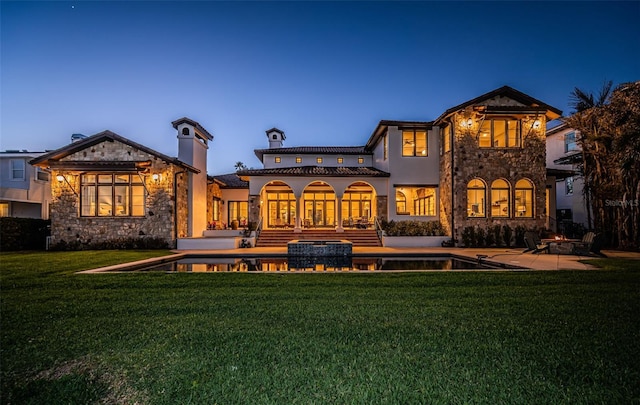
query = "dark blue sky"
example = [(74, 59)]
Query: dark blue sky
[(324, 72)]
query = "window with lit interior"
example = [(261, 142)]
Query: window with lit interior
[(500, 191), (414, 142), (416, 201), (499, 133), (524, 198), (106, 195), (476, 197)]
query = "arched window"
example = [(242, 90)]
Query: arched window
[(476, 197), (524, 198), (500, 199), (401, 203), (185, 131)]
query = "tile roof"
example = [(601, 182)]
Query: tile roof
[(328, 171), (325, 150), (231, 180)]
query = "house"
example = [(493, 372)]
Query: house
[(563, 157), (25, 190), (108, 187), (480, 164)]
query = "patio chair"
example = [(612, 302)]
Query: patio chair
[(534, 244), (590, 243)]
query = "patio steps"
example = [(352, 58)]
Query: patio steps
[(280, 237)]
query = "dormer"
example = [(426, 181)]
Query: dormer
[(276, 138)]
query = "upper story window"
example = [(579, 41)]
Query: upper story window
[(445, 140), (42, 175), (500, 133), (298, 159), (570, 143), (414, 142), (360, 160), (385, 147), (319, 160), (106, 195), (17, 169), (568, 185), (340, 160), (277, 159)]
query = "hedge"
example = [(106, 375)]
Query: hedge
[(23, 233)]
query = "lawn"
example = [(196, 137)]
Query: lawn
[(503, 337)]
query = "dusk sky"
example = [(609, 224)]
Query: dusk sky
[(323, 72)]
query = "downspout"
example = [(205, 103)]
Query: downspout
[(175, 205)]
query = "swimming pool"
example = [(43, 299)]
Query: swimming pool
[(318, 264)]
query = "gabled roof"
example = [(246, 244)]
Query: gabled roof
[(194, 124), (324, 150), (231, 180), (509, 92), (327, 171), (105, 136)]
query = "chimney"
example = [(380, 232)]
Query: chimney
[(193, 142), (77, 137), (276, 138)]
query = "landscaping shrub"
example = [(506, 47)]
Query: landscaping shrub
[(497, 234), (114, 244), (481, 237), (520, 231), (469, 236), (490, 238), (507, 232), (412, 228), (23, 233)]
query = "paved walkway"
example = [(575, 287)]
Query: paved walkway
[(510, 257)]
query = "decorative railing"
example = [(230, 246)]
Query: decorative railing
[(259, 228), (378, 228)]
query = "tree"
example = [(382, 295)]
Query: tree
[(609, 127), (240, 166)]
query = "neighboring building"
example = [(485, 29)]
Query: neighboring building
[(563, 156), (25, 190), (108, 187)]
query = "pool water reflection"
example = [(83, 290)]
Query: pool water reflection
[(317, 264)]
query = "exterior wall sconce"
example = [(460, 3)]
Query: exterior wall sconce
[(536, 124), (61, 178), (156, 178), (468, 123)]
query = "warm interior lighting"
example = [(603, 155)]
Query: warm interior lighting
[(60, 178)]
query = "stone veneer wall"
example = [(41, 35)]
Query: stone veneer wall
[(381, 207), (471, 161), (254, 209), (67, 224)]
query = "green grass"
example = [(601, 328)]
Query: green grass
[(503, 337)]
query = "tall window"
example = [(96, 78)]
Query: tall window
[(568, 185), (476, 197), (107, 195), (385, 147), (238, 211), (215, 207), (445, 139), (17, 169), (4, 209), (500, 198), (524, 198), (401, 203), (414, 142), (499, 133), (416, 201), (570, 143)]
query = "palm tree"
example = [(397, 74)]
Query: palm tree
[(240, 166), (581, 100)]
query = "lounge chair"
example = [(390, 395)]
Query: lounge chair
[(534, 244), (590, 243)]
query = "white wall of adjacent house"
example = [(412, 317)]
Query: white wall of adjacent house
[(25, 191), (560, 143), (192, 150)]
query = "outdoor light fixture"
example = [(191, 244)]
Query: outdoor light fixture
[(466, 123), (536, 124), (61, 178), (156, 178)]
